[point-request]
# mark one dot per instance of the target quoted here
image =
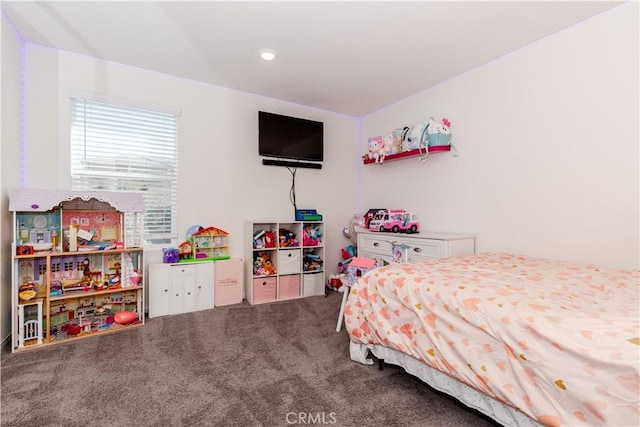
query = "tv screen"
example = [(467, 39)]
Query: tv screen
[(290, 137)]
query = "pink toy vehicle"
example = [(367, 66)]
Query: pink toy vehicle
[(396, 220)]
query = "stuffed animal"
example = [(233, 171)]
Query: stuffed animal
[(439, 133), (287, 238), (311, 235), (347, 254), (262, 265), (376, 149), (417, 137), (170, 255)]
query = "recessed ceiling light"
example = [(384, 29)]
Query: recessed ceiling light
[(268, 54)]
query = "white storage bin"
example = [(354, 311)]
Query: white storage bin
[(313, 284), (289, 261)]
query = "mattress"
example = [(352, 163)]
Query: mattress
[(557, 341)]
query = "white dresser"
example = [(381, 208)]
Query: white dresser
[(424, 245)]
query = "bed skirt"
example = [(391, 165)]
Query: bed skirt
[(498, 411)]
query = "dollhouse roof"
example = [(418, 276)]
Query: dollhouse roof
[(210, 231), (34, 200)]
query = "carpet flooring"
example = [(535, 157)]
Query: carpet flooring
[(276, 364)]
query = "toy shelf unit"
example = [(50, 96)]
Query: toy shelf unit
[(283, 260), (205, 244), (77, 263)]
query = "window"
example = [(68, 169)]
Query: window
[(119, 148)]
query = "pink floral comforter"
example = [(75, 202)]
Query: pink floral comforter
[(557, 340)]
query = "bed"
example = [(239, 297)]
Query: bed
[(526, 341)]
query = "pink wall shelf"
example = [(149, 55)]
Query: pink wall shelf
[(407, 154)]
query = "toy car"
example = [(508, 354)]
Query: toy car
[(395, 220)]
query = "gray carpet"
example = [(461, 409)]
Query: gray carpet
[(269, 365)]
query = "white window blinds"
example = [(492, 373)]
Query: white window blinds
[(119, 148)]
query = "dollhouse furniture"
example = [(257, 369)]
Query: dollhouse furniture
[(295, 270), (85, 245), (355, 269), (29, 328)]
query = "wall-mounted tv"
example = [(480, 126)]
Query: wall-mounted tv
[(291, 138)]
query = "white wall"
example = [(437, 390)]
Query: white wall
[(10, 159), (221, 179), (548, 142)]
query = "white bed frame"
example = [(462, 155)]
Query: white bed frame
[(498, 411)]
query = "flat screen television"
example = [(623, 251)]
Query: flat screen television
[(290, 138)]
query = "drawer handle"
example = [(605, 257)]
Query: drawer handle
[(177, 295), (289, 255), (199, 286), (417, 249), (376, 244)]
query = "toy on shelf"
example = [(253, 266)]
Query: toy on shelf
[(311, 235), (170, 255), (204, 244), (287, 238), (262, 265), (311, 262)]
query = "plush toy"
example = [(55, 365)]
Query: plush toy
[(262, 265), (287, 238), (270, 239), (393, 142), (311, 235), (439, 133), (311, 262), (417, 137), (376, 149), (170, 255), (347, 254)]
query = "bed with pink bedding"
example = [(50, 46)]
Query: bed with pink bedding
[(556, 343)]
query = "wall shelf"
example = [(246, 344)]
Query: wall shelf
[(407, 154)]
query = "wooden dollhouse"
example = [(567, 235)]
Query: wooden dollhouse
[(75, 251)]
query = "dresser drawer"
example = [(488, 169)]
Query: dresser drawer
[(288, 261), (425, 249), (264, 289), (373, 244)]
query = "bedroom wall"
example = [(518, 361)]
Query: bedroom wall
[(9, 158), (221, 179), (548, 143)]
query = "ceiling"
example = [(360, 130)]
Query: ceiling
[(349, 57)]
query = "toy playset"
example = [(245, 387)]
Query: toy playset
[(395, 220), (202, 244)]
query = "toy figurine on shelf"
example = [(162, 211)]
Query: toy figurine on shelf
[(311, 262), (262, 265), (287, 238), (311, 235)]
